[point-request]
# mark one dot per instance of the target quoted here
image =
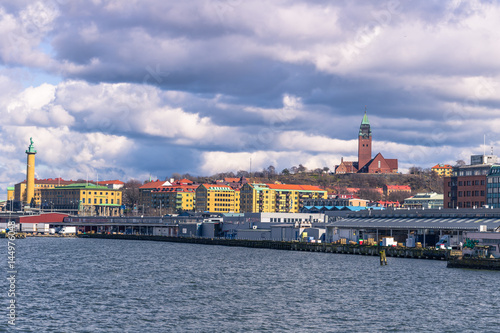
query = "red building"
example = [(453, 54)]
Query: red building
[(467, 187), (365, 163)]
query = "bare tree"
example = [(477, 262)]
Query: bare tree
[(130, 193), (369, 194)]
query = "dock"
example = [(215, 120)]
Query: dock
[(374, 250), (474, 263)]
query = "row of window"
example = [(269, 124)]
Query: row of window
[(89, 201), (471, 193), (468, 204), (467, 183)]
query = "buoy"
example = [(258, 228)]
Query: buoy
[(383, 258)]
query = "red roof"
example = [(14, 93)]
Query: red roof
[(153, 184), (399, 187), (216, 185), (184, 181), (43, 218), (231, 180), (442, 166), (111, 182), (176, 188), (294, 187)]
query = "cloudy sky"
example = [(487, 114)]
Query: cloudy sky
[(128, 89)]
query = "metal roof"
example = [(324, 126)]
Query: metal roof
[(466, 223)]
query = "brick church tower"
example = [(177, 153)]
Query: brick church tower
[(364, 143)]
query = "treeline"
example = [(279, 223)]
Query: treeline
[(420, 180)]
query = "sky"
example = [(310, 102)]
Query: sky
[(131, 89)]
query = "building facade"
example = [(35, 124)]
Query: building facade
[(217, 198), (443, 170), (279, 198), (466, 188), (424, 200), (389, 189), (82, 199), (493, 187), (173, 199), (20, 192)]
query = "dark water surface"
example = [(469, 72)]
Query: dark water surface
[(98, 285)]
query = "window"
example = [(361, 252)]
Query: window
[(95, 201), (100, 201)]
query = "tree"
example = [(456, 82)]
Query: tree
[(415, 170), (285, 172), (398, 196), (460, 163), (130, 193), (187, 176), (242, 173), (301, 168), (272, 170), (369, 194), (326, 169)]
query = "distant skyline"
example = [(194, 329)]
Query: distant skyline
[(129, 89)]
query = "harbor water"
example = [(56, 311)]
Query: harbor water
[(105, 285)]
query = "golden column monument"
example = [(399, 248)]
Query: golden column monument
[(30, 173)]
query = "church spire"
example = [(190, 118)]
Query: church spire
[(365, 119), (365, 127)]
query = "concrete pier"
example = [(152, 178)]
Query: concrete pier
[(416, 253)]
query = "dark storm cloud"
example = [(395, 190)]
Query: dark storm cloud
[(202, 85)]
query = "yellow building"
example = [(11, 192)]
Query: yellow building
[(83, 199), (30, 175), (20, 193), (257, 198), (217, 199), (443, 170), (279, 198), (173, 199), (10, 193)]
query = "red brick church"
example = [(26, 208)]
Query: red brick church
[(365, 163)]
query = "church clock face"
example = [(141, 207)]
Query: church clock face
[(365, 136)]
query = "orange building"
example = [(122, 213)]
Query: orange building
[(388, 189)]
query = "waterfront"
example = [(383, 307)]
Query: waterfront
[(88, 285)]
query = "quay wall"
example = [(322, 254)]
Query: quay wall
[(474, 263), (417, 253)]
